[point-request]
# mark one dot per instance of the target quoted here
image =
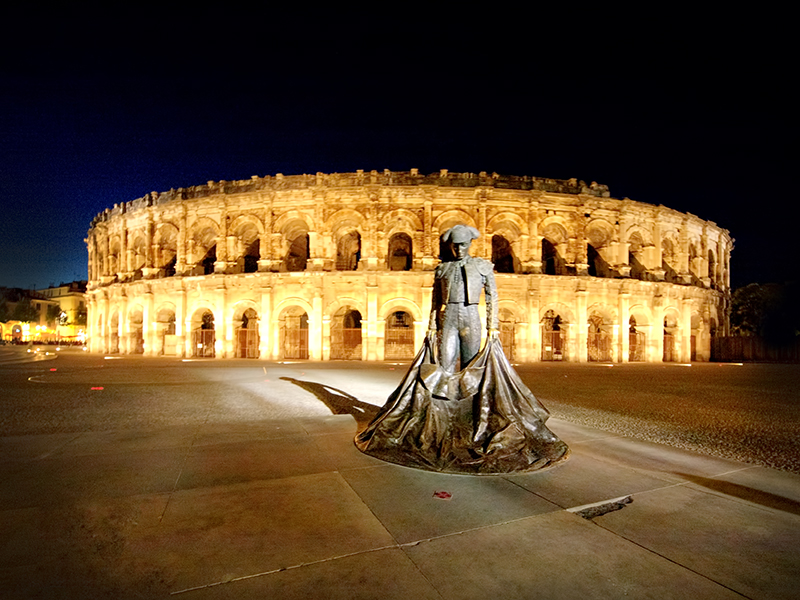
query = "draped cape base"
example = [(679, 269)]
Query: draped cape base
[(481, 420)]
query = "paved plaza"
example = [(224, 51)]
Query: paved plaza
[(137, 477)]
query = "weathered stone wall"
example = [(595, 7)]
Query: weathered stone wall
[(282, 263)]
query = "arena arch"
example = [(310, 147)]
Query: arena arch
[(400, 255), (346, 333), (554, 321), (600, 235), (113, 333), (138, 255), (669, 258), (135, 330), (600, 333), (203, 246), (165, 248), (554, 245), (166, 330), (509, 317), (640, 332), (247, 230), (245, 330), (203, 333)]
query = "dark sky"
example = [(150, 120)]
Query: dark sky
[(697, 120)]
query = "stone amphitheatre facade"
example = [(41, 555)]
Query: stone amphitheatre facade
[(340, 266)]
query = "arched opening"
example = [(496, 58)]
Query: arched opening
[(399, 336), (294, 333), (399, 256), (348, 251), (598, 267), (298, 254), (113, 334), (203, 334), (208, 260), (502, 254), (599, 340), (636, 256), (169, 267), (16, 333), (554, 337), (552, 263), (712, 269), (247, 335), (135, 324), (346, 334), (670, 331), (165, 332), (668, 261), (165, 253), (508, 324), (251, 255), (637, 342)]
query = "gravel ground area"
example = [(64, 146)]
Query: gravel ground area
[(745, 412)]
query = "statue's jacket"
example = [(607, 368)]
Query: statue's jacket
[(478, 275)]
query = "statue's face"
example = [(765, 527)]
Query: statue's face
[(460, 249)]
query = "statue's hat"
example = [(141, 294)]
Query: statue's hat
[(461, 233)]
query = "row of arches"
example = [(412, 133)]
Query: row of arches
[(552, 244), (346, 339), (560, 337)]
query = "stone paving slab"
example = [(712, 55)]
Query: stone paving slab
[(213, 534), (240, 462), (584, 479), (748, 548), (60, 480), (403, 499), (554, 556)]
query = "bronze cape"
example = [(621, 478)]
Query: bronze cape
[(481, 420)]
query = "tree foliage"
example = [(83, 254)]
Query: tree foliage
[(24, 311), (766, 310)]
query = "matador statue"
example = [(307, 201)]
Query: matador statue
[(480, 418)]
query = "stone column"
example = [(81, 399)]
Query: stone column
[(582, 326), (265, 322), (370, 341), (623, 324), (315, 328)]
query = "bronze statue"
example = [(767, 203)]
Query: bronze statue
[(457, 288), (480, 419)]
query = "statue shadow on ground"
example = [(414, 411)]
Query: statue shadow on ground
[(745, 493), (339, 402)]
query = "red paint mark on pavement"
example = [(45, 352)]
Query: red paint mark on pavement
[(442, 495), (97, 388)]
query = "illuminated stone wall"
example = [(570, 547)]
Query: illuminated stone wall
[(341, 265)]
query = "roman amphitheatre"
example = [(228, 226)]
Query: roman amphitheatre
[(340, 266)]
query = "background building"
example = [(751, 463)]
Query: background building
[(27, 316), (332, 266)]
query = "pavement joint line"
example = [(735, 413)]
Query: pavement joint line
[(289, 568), (332, 558), (668, 559)]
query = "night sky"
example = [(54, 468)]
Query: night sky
[(89, 116)]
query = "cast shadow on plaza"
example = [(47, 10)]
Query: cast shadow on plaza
[(339, 402), (745, 493)]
